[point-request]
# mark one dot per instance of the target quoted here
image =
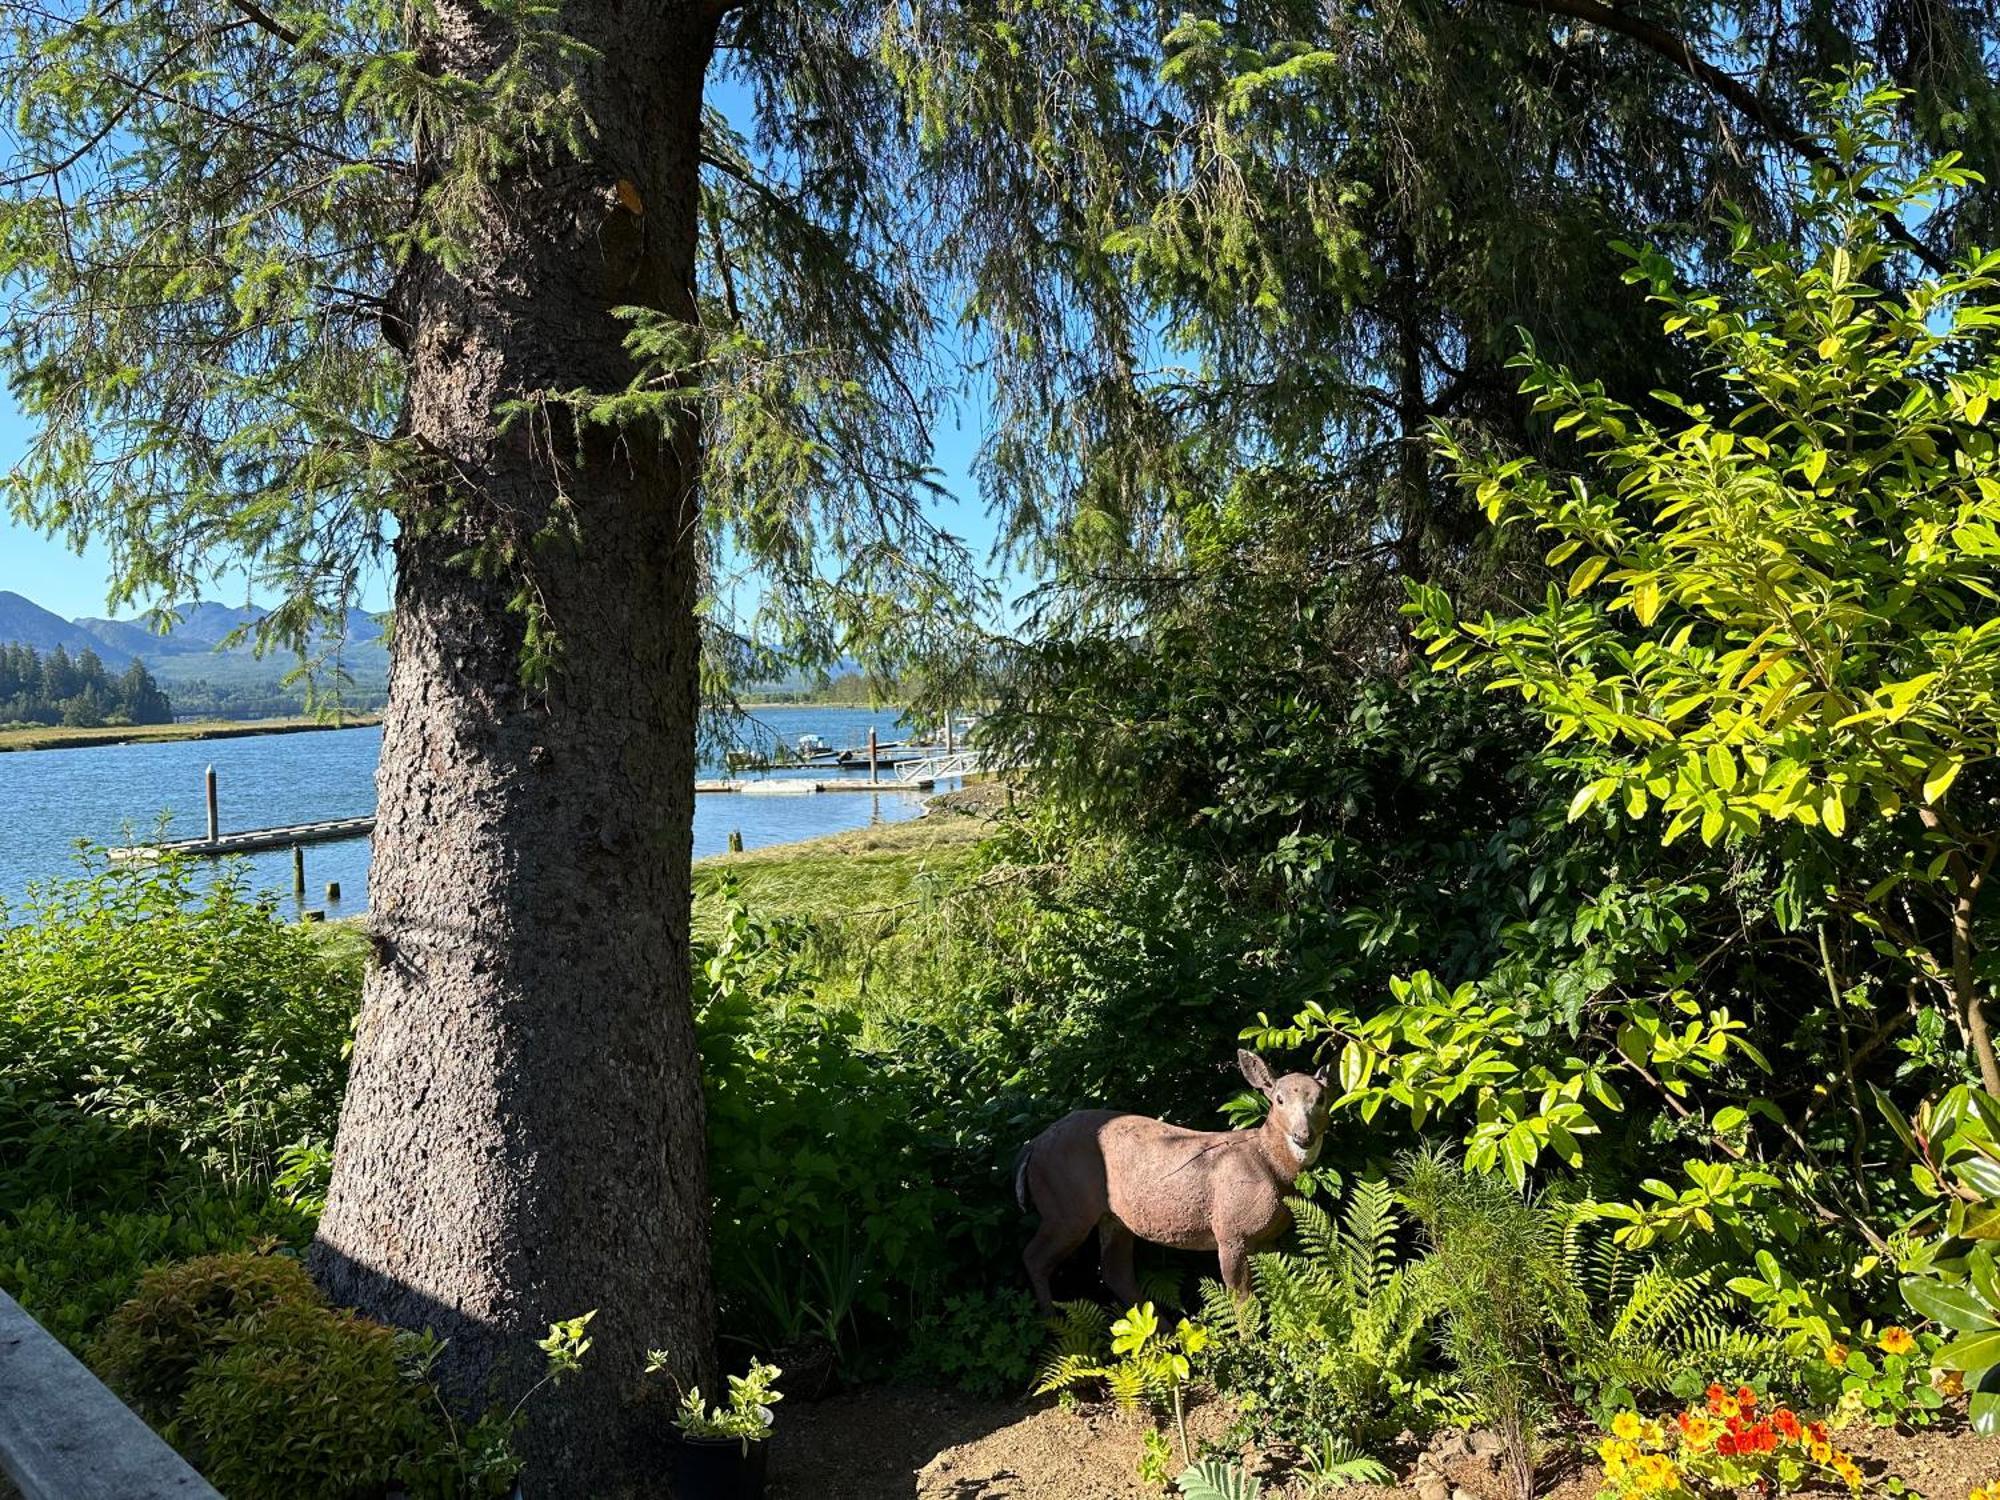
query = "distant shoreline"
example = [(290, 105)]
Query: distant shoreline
[(55, 737), (58, 738)]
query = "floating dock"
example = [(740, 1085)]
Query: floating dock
[(253, 840)]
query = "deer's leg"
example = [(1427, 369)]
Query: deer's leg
[(1051, 1245), (1235, 1257), (1115, 1243)]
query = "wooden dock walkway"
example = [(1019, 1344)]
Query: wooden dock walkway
[(253, 840)]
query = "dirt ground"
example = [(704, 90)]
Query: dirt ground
[(891, 1443)]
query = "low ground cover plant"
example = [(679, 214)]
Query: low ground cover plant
[(1725, 1444)]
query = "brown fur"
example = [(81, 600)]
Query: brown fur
[(1130, 1176)]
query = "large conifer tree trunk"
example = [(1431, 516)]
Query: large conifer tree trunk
[(522, 1139)]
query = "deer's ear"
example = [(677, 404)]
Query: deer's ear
[(1322, 1074), (1254, 1069)]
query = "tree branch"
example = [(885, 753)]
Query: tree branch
[(1678, 51), (265, 21)]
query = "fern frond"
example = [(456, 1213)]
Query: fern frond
[(1218, 1479), (1061, 1371), (1162, 1285), (1080, 1328), (1127, 1383), (1369, 1235), (1222, 1312), (1319, 1235), (1335, 1463)]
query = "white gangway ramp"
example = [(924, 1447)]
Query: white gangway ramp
[(937, 767)]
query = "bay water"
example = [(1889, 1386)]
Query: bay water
[(120, 794)]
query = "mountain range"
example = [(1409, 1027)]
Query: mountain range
[(188, 654)]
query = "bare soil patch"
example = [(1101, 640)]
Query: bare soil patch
[(897, 1443)]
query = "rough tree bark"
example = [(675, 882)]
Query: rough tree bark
[(522, 1139)]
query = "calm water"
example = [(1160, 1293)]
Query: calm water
[(51, 798)]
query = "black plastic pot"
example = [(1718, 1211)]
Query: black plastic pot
[(717, 1468)]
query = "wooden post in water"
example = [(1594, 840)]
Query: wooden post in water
[(872, 778), (333, 892), (214, 823), (735, 841), (299, 873)]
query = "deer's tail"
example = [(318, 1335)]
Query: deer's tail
[(1021, 1175)]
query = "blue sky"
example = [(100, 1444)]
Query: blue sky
[(54, 575)]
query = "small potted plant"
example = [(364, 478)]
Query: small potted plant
[(719, 1451)]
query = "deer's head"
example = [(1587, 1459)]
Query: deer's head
[(1299, 1103)]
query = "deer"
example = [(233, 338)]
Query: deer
[(1132, 1177)]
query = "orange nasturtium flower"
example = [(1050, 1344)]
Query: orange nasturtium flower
[(1897, 1340)]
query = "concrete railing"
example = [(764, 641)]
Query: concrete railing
[(64, 1436)]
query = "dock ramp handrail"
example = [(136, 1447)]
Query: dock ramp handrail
[(937, 767), (65, 1436)]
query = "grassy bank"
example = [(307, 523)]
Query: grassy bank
[(40, 738), (864, 872)]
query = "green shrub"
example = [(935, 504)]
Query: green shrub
[(70, 1269), (182, 1314), (1330, 1347), (157, 1028), (1506, 1295), (983, 1341), (303, 1400)]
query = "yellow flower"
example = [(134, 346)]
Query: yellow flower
[(1626, 1425), (1836, 1355), (1821, 1452), (1896, 1340), (1952, 1383), (1727, 1408)]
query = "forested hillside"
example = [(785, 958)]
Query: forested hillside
[(76, 692)]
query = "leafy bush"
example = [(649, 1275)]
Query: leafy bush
[(983, 1341), (298, 1399), (151, 1347), (157, 1028), (70, 1269), (829, 1188), (240, 1363)]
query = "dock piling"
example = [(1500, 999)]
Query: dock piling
[(333, 893), (214, 823), (299, 873), (873, 773), (735, 841)]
